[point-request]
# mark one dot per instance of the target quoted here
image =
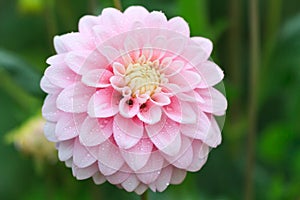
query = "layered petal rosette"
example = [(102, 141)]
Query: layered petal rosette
[(131, 99)]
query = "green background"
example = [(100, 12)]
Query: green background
[(26, 31)]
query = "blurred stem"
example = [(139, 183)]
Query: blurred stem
[(22, 99), (235, 52), (118, 4), (144, 196), (273, 18), (253, 91)]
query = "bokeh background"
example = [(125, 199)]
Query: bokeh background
[(261, 140)]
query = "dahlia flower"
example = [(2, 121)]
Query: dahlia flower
[(131, 99)]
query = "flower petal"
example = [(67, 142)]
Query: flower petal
[(104, 103), (68, 126), (178, 176), (49, 131), (129, 107), (108, 150), (48, 87), (151, 114), (84, 173), (200, 153), (81, 156), (98, 178), (160, 99), (211, 74), (180, 111), (215, 102), (98, 78), (60, 75), (127, 132), (186, 80), (74, 98), (137, 156), (151, 171), (49, 109), (168, 140), (131, 183), (179, 25), (95, 131), (198, 130), (65, 150), (164, 178)]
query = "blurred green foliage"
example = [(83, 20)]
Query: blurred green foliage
[(26, 31)]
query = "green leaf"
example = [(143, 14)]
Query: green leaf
[(21, 72)]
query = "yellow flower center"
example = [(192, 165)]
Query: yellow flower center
[(142, 78)]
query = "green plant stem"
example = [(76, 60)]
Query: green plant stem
[(144, 196), (118, 4), (253, 93)]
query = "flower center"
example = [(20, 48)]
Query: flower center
[(142, 78)]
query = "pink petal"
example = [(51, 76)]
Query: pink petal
[(98, 178), (84, 61), (136, 13), (140, 189), (211, 74), (164, 178), (176, 45), (200, 155), (204, 43), (174, 68), (86, 23), (132, 48), (81, 156), (155, 20), (84, 173), (215, 102), (129, 110), (214, 137), (151, 114), (180, 111), (49, 131), (127, 132), (49, 109), (109, 52), (57, 59), (104, 103), (151, 171), (65, 150), (97, 78), (74, 98), (68, 126), (195, 54), (186, 80), (137, 156), (131, 183), (119, 177), (179, 25), (198, 130), (60, 75), (108, 150), (48, 87), (184, 157), (154, 129), (160, 99), (106, 170), (168, 140), (112, 18), (119, 69), (95, 131), (70, 42), (178, 176)]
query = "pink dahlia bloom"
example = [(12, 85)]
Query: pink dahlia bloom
[(131, 99)]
